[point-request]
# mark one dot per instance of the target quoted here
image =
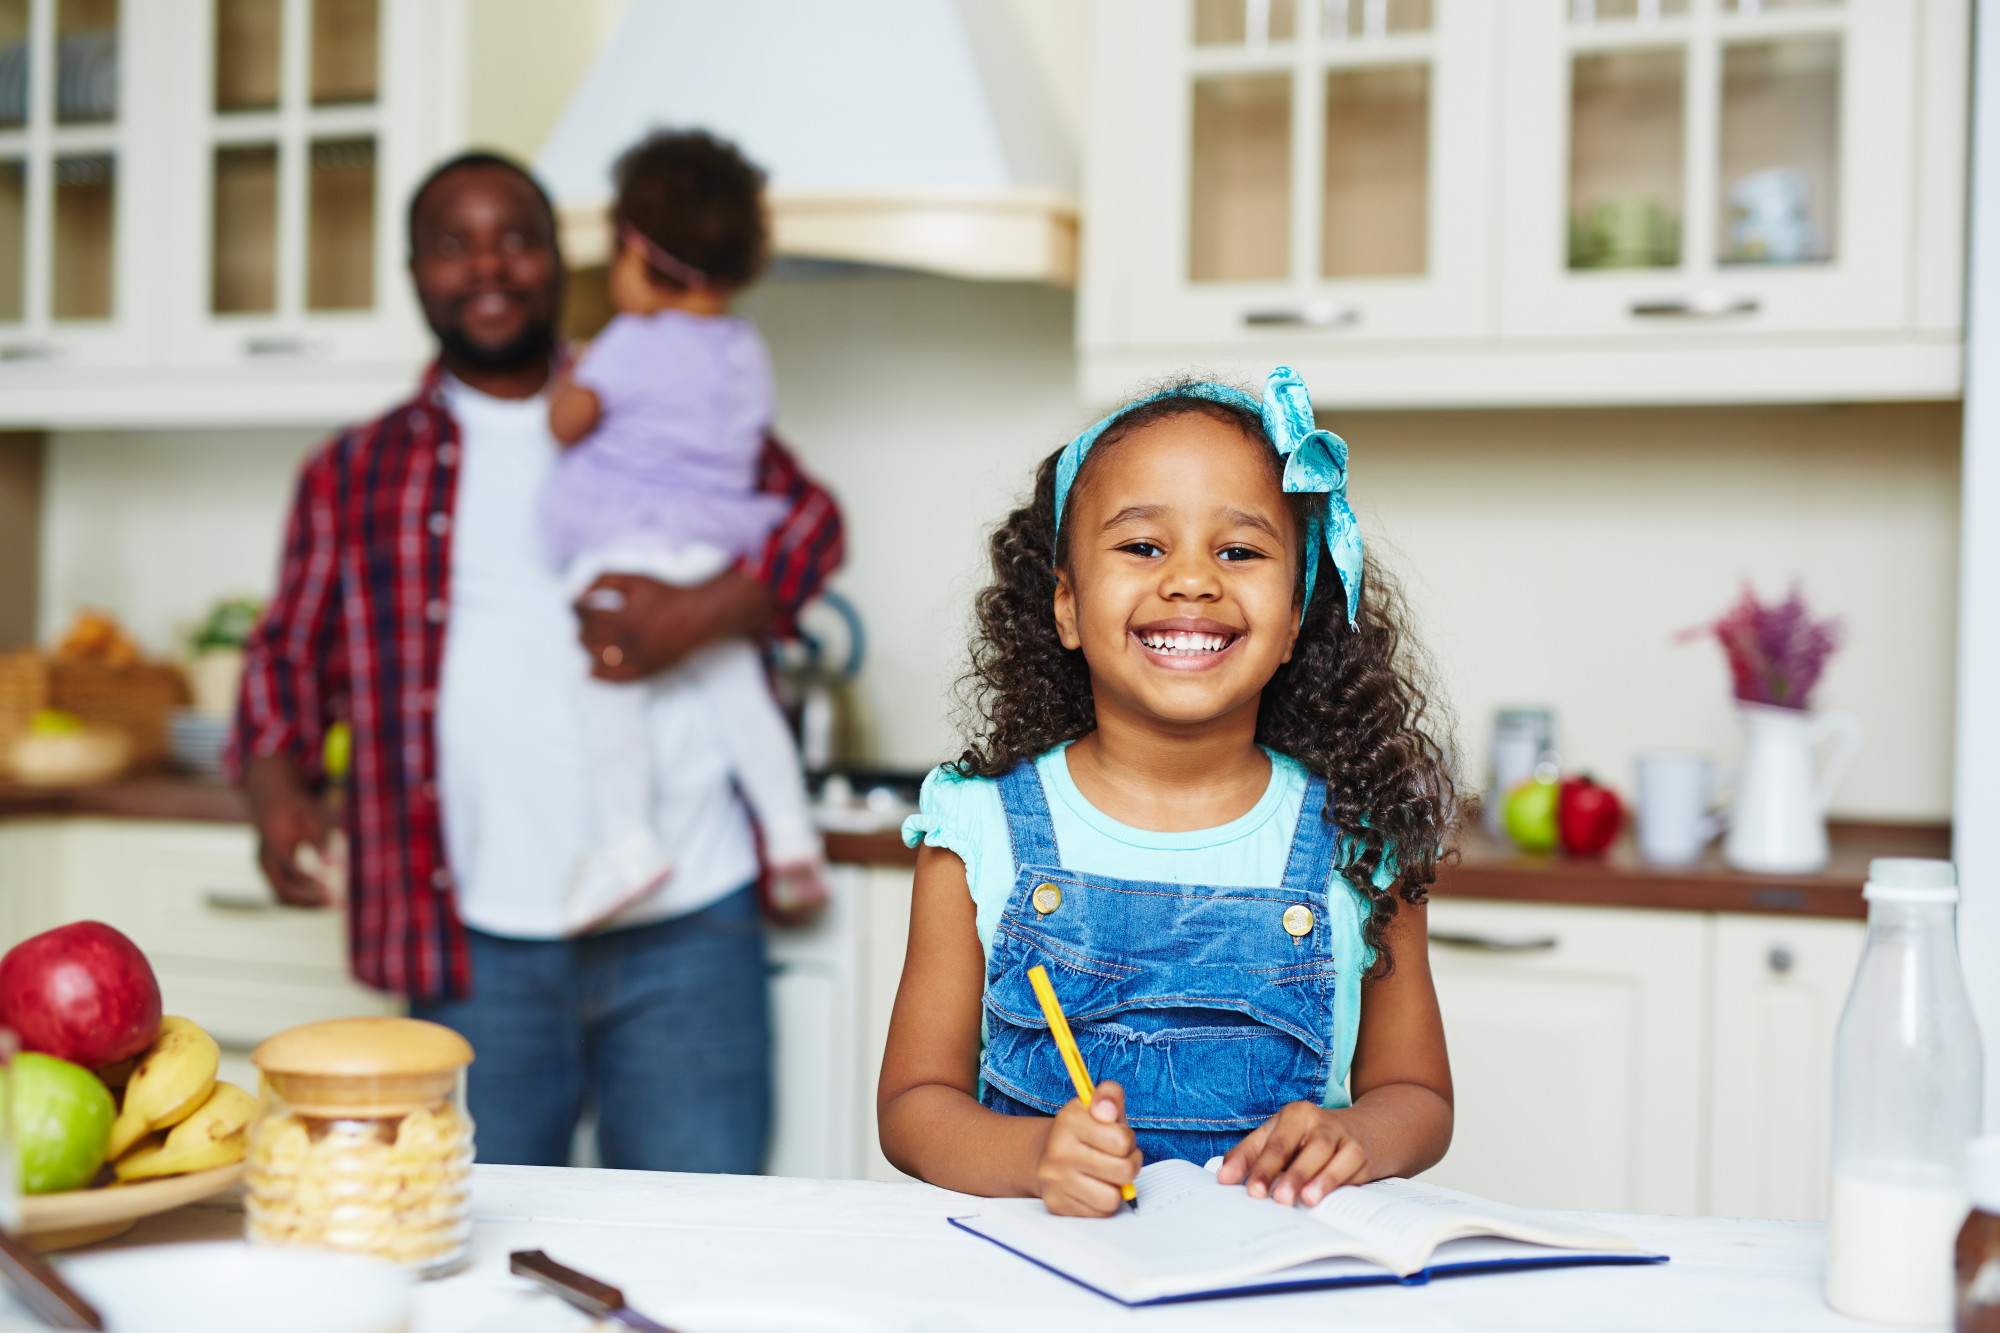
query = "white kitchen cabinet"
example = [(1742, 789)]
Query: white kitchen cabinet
[(888, 928), (817, 1061), (1780, 983), (77, 149), (1489, 202), (1576, 1054), (1723, 168), (201, 213), (300, 126), (226, 953), (1280, 167)]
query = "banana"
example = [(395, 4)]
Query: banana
[(173, 1078), (215, 1135), (160, 1159)]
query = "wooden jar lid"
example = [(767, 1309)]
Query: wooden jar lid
[(363, 1066)]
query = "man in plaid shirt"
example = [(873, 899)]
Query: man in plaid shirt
[(412, 602)]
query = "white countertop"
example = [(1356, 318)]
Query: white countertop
[(730, 1254)]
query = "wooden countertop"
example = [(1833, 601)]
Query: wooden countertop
[(1489, 867), (1486, 867), (203, 800), (156, 796)]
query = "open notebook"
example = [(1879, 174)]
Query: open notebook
[(1192, 1237)]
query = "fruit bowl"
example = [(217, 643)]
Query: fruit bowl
[(83, 1217), (71, 759)]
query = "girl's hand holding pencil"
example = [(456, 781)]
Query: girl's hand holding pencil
[(1090, 1147), (1090, 1156)]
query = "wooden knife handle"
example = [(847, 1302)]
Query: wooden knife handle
[(586, 1293), (37, 1286)]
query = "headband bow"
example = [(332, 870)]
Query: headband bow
[(1315, 464)]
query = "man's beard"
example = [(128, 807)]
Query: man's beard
[(532, 345)]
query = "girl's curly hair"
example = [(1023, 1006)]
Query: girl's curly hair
[(1352, 705)]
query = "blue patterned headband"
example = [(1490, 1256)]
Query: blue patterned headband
[(1315, 464)]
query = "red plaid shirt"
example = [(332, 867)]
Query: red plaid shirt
[(356, 630)]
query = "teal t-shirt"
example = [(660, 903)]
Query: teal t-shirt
[(965, 816)]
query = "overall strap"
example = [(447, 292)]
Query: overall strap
[(1314, 841), (1029, 826)]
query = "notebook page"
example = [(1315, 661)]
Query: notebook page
[(1188, 1234), (1408, 1220)]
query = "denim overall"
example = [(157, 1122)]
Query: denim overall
[(1211, 1005)]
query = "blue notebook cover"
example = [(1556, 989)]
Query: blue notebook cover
[(1193, 1238)]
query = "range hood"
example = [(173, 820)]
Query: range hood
[(914, 134)]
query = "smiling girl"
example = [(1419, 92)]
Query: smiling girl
[(1201, 796)]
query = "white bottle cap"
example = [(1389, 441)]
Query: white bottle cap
[(1982, 1173), (1910, 879)]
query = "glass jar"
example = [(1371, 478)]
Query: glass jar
[(364, 1144), (1906, 1097)]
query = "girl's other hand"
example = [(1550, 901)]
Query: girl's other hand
[(1300, 1155), (1089, 1153)]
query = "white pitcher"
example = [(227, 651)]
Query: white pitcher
[(1779, 821)]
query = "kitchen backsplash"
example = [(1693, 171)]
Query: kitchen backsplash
[(1581, 541)]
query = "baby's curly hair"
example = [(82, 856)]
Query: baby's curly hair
[(1352, 705), (699, 199)]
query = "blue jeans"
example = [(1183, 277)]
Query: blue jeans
[(663, 1028)]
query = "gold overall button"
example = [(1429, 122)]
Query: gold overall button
[(1047, 898), (1298, 920)]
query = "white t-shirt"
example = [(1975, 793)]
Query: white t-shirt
[(518, 816)]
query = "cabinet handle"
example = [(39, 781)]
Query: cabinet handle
[(276, 345), (27, 352), (245, 904), (1780, 960), (1313, 314), (1701, 305), (1452, 939)]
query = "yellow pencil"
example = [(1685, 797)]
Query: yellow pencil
[(1038, 976)]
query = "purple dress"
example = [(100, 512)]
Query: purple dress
[(685, 401)]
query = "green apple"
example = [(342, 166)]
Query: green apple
[(62, 1123), (1530, 814)]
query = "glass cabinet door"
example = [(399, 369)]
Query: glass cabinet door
[(293, 115), (64, 146), (1306, 168), (1694, 165)]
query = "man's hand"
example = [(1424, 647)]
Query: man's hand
[(1300, 1155), (657, 625), (1089, 1153), (287, 816)]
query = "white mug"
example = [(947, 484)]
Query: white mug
[(1675, 822)]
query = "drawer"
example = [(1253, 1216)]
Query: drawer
[(194, 892), (240, 1011)]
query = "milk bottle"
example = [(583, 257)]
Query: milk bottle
[(1906, 1092)]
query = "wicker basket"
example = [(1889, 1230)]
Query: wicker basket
[(136, 699)]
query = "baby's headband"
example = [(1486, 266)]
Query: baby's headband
[(1315, 464), (657, 257)]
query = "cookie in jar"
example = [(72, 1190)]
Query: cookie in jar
[(364, 1144)]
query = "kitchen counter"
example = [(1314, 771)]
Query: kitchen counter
[(1486, 867), (1489, 867), (750, 1253), (201, 800)]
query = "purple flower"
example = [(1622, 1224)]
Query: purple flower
[(1776, 653)]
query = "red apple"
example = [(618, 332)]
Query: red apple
[(1587, 817), (82, 993)]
